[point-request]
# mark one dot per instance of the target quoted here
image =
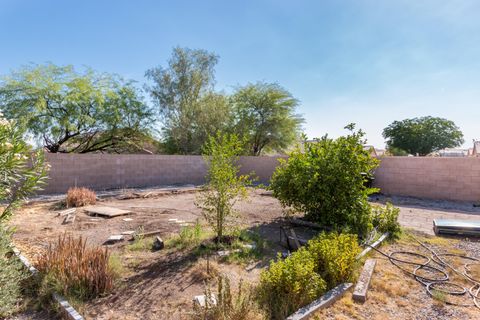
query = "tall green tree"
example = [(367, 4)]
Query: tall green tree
[(265, 115), (75, 112), (184, 94), (422, 136)]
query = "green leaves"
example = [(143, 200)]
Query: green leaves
[(422, 135), (21, 170), (325, 181), (264, 113), (225, 186), (73, 112)]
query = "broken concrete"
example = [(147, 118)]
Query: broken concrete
[(360, 291), (114, 238), (108, 212), (158, 244), (326, 300), (202, 300)]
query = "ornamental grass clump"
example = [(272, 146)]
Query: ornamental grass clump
[(79, 197), (74, 269)]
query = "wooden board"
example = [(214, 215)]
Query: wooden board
[(106, 211)]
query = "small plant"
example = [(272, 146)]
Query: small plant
[(140, 243), (12, 274), (385, 219), (238, 305), (79, 197), (188, 237), (335, 256), (290, 284), (224, 184), (325, 180), (74, 269)]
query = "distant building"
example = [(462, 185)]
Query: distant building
[(452, 152), (476, 149)]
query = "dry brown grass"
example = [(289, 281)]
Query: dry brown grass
[(75, 269), (79, 197), (204, 270)]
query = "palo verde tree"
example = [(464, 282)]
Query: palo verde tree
[(184, 94), (264, 114), (75, 112), (422, 136), (22, 171), (326, 182), (225, 186)]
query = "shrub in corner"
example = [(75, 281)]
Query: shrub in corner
[(79, 197), (385, 219)]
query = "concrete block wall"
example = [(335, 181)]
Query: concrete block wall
[(108, 171), (433, 178)]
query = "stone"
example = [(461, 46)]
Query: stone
[(324, 301), (128, 233), (360, 291), (127, 219), (158, 244), (201, 300), (114, 238)]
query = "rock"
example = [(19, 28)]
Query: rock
[(158, 244), (201, 300)]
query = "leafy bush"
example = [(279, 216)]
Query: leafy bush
[(230, 305), (325, 182), (12, 274), (385, 219), (21, 171), (72, 268), (335, 256), (79, 197), (224, 184), (290, 284)]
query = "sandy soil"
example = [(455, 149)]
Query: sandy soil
[(161, 285)]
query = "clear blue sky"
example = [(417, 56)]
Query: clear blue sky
[(368, 62)]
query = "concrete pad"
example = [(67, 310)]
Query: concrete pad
[(324, 301), (108, 212), (360, 291)]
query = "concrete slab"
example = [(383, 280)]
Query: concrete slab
[(326, 300), (202, 300), (108, 212), (360, 291)]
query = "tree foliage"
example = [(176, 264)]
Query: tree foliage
[(184, 94), (75, 112), (264, 113), (225, 186), (325, 182), (421, 136), (21, 170)]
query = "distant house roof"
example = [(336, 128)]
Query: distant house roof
[(452, 152)]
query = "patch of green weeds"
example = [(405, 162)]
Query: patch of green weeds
[(189, 237), (140, 243)]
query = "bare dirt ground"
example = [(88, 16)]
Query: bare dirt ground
[(161, 285)]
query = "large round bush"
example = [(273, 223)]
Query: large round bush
[(326, 181)]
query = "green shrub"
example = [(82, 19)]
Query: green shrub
[(188, 237), (385, 219), (326, 182), (12, 274), (290, 284), (335, 256), (21, 171)]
